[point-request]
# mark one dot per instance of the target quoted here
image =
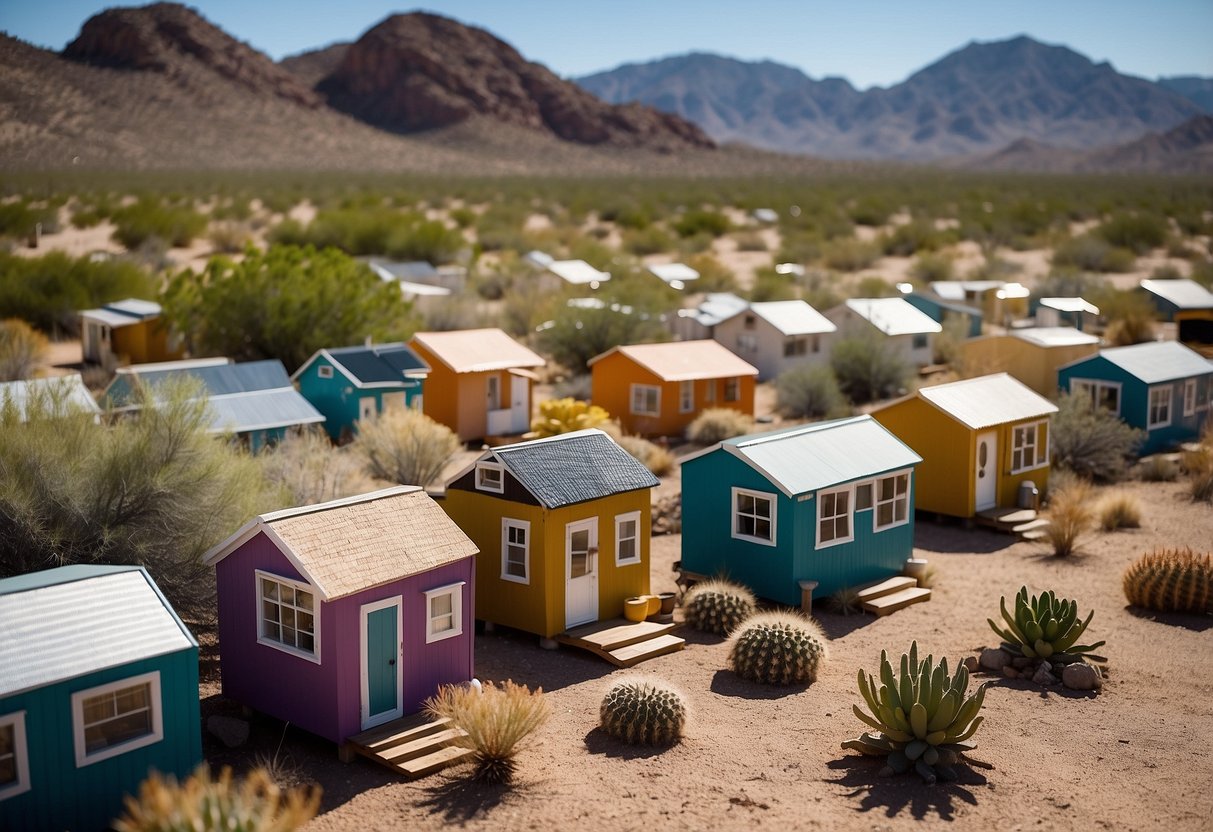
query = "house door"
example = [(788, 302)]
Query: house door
[(382, 675), (987, 470), (520, 416), (581, 565), (366, 408), (494, 393)]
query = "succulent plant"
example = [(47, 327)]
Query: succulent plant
[(1171, 580), (1043, 626), (643, 712), (922, 717), (777, 648), (717, 606)]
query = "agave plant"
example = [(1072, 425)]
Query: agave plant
[(1043, 627), (922, 716)]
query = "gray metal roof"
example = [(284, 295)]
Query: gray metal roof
[(573, 468), (61, 394), (379, 364), (261, 410), (1157, 361), (987, 401), (216, 379), (112, 319), (1184, 293), (810, 457), (63, 623), (793, 317)]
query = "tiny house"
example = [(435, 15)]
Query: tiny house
[(1031, 356), (128, 331), (562, 525), (98, 688), (55, 396), (943, 312), (342, 616), (909, 332), (777, 335), (349, 384), (1188, 304), (1068, 312)]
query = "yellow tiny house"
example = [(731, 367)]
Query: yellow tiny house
[(563, 529), (980, 439), (1032, 356)]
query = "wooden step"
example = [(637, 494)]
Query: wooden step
[(611, 635), (886, 604), (883, 588), (420, 747), (396, 734), (1035, 534), (1031, 525), (633, 654), (430, 763)]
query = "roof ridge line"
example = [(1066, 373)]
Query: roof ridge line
[(371, 496)]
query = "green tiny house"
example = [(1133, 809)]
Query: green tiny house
[(349, 384)]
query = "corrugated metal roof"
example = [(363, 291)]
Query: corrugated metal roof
[(573, 468), (684, 360), (577, 272), (1157, 361), (61, 393), (216, 379), (477, 350), (987, 401), (1070, 305), (1055, 336), (674, 271), (893, 316), (261, 410), (1184, 293), (809, 457), (793, 317), (66, 622), (379, 363)]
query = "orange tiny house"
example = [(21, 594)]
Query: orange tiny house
[(563, 529), (659, 389), (979, 439), (129, 331)]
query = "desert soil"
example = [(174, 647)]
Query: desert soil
[(1135, 756)]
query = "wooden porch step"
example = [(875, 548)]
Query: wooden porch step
[(634, 654), (882, 588), (613, 634), (1031, 525), (413, 746), (405, 751), (886, 604), (399, 731), (1034, 534), (430, 763)]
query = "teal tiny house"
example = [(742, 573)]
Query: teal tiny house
[(98, 687), (352, 383), (831, 502)]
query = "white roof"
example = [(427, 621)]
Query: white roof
[(408, 288), (987, 401), (893, 316), (1070, 305), (670, 272), (792, 317), (183, 364), (63, 393), (1184, 293), (1055, 336), (1157, 361), (110, 318), (766, 215), (577, 272), (538, 258), (956, 289)]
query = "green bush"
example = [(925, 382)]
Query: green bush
[(138, 223), (49, 292), (929, 268), (311, 469), (702, 221), (657, 459), (848, 254), (651, 240), (717, 424), (1137, 232), (868, 368), (809, 391), (914, 237), (1091, 441), (1092, 254), (427, 240), (750, 241), (577, 335)]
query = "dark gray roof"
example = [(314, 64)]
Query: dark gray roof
[(379, 364), (573, 468), (219, 379)]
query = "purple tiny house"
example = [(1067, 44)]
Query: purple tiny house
[(342, 616)]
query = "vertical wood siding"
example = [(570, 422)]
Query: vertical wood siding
[(944, 482)]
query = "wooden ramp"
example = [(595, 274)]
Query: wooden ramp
[(894, 594), (413, 746), (624, 643)]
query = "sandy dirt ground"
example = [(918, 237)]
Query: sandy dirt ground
[(1135, 757)]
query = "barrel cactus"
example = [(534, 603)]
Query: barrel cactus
[(1042, 626), (922, 716), (1171, 580), (777, 648), (643, 712), (717, 606)]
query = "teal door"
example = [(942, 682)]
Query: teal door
[(381, 663)]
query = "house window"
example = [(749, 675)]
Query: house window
[(892, 501), (1189, 397), (627, 538), (324, 371), (116, 718), (646, 400), (686, 397), (1160, 407), (816, 343), (494, 393), (863, 496), (919, 341), (834, 518), (14, 756), (444, 612), (747, 343), (515, 550), (1105, 394), (732, 389), (490, 477), (750, 321), (288, 617), (709, 391), (393, 401), (1029, 447), (794, 346), (754, 516)]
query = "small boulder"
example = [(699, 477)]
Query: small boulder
[(1081, 677), (993, 659), (229, 730), (1021, 662), (970, 663), (1010, 672), (1044, 677)]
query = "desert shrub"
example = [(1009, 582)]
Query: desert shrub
[(643, 712), (577, 335), (874, 286), (849, 254), (718, 423), (770, 285), (948, 345), (229, 237), (405, 446), (869, 211), (1198, 463), (651, 240), (22, 350), (867, 367), (702, 221), (1070, 516), (427, 240), (750, 241), (844, 601), (657, 459), (808, 391), (1130, 317), (1137, 232), (1202, 272), (557, 416), (914, 237), (1119, 510), (717, 606), (778, 648), (713, 275), (202, 804), (1158, 468), (310, 469), (175, 225), (1092, 254), (48, 292), (928, 268), (1171, 580), (1042, 626), (1091, 441), (497, 720), (454, 312)]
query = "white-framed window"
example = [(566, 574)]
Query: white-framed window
[(1029, 446), (747, 342), (324, 371), (892, 501), (1160, 406), (627, 538), (754, 516), (863, 496), (515, 550), (288, 617), (14, 756), (686, 396), (835, 523), (732, 389), (444, 612), (113, 719), (490, 476), (646, 400), (795, 346), (1105, 394), (1189, 397)]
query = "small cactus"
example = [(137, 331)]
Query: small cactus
[(1042, 626), (1171, 580), (777, 648), (717, 606), (641, 712)]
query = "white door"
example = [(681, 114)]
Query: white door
[(520, 416), (987, 470), (581, 567), (366, 407)]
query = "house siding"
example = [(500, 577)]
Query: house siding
[(1033, 365), (850, 324), (768, 354), (144, 342)]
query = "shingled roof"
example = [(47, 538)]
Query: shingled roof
[(377, 365)]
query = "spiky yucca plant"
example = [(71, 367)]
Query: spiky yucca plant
[(717, 606), (1043, 626), (496, 719), (557, 416), (922, 716), (643, 711), (1171, 580), (777, 648)]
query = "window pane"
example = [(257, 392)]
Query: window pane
[(7, 740), (900, 510), (762, 507), (842, 502), (303, 600), (514, 567), (443, 623), (863, 496), (269, 589), (288, 636), (579, 565), (306, 622), (288, 594), (827, 505), (825, 532), (115, 731), (762, 528), (440, 605), (627, 528), (745, 525), (269, 610), (884, 514), (98, 708), (8, 770), (886, 489), (745, 503), (580, 541), (272, 631), (903, 483), (843, 526), (288, 617), (307, 642), (131, 699), (627, 549)]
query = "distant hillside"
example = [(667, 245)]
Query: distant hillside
[(1192, 87), (313, 65)]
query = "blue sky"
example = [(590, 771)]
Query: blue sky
[(870, 42)]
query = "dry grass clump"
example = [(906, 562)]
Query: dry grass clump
[(496, 718), (1158, 468), (844, 601), (313, 470), (1070, 515), (1171, 580), (717, 424), (1199, 466), (201, 804), (1119, 510), (652, 456), (405, 446), (22, 350)]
